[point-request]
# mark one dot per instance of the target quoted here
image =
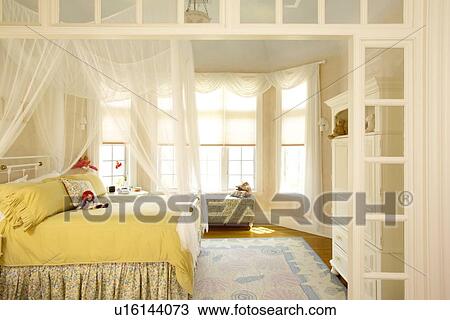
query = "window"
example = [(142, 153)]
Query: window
[(241, 166), (113, 168), (211, 168), (293, 139), (166, 166), (227, 126)]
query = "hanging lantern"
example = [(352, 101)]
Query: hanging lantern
[(197, 12)]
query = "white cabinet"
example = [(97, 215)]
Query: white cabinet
[(383, 247)]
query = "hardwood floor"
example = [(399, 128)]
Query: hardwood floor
[(319, 244)]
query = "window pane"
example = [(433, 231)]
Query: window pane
[(119, 152), (106, 152), (258, 11), (234, 181), (20, 11), (292, 169), (342, 11), (385, 73), (120, 171), (234, 153), (384, 131), (300, 11), (385, 11), (248, 153), (166, 153), (157, 11), (167, 167), (202, 11), (106, 168), (248, 167), (234, 167), (80, 11), (119, 11)]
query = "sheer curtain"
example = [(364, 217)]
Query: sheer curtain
[(90, 74), (27, 69)]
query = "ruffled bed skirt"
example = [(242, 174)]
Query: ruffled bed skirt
[(123, 281)]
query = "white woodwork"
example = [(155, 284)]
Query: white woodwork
[(379, 241)]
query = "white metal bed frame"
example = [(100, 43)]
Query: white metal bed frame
[(9, 169)]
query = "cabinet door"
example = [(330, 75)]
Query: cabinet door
[(340, 176)]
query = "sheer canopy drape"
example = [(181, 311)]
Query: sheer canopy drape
[(84, 78)]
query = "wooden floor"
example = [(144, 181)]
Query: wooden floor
[(319, 244)]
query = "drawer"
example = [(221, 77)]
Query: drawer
[(340, 261), (340, 237)]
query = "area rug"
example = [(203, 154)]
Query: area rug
[(263, 268)]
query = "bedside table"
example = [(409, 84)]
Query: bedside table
[(127, 197)]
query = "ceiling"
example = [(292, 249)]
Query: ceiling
[(262, 56)]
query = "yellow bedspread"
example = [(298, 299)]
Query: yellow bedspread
[(79, 241)]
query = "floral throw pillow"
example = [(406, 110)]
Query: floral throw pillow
[(75, 189)]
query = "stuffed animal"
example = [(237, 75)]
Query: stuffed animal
[(242, 191), (339, 129), (90, 201), (84, 163)]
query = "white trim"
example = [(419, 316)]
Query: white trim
[(386, 276), (98, 12), (321, 12), (383, 217), (386, 160), (180, 12), (364, 12), (279, 11), (385, 102), (139, 11)]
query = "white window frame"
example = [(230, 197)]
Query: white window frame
[(126, 160)]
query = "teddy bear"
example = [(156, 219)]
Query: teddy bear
[(339, 129)]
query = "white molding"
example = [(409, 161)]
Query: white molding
[(438, 149), (139, 11), (321, 12)]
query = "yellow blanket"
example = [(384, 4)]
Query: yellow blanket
[(79, 241)]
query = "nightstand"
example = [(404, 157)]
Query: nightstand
[(128, 197)]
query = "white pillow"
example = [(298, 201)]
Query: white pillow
[(2, 216)]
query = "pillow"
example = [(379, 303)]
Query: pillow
[(94, 179), (6, 206), (33, 204), (75, 189)]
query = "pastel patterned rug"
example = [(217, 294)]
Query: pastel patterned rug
[(263, 268)]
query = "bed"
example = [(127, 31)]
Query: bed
[(105, 254)]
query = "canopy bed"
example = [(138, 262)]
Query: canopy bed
[(59, 93)]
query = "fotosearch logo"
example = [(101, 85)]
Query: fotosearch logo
[(188, 208)]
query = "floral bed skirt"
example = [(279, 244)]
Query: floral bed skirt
[(123, 281)]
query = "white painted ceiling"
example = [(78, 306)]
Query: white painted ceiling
[(262, 56)]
